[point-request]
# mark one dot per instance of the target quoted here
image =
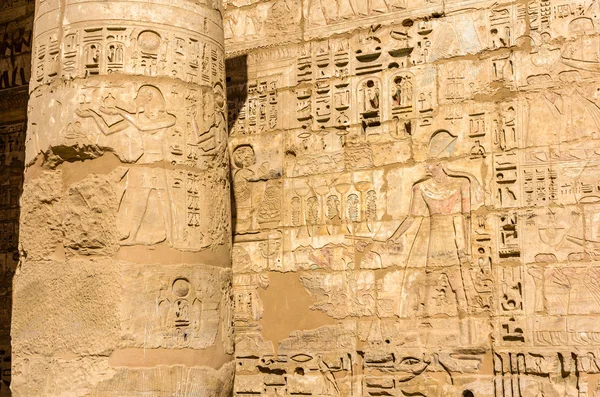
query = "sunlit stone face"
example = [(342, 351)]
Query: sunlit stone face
[(415, 197), (125, 228)]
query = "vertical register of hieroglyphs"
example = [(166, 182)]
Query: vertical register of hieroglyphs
[(416, 197), (123, 286)]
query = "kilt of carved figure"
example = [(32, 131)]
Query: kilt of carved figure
[(123, 287)]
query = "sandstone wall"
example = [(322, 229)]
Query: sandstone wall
[(16, 23), (416, 196), (123, 287)]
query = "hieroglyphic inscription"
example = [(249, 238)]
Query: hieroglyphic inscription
[(438, 201)]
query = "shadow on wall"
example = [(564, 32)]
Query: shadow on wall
[(12, 153), (237, 93), (15, 64)]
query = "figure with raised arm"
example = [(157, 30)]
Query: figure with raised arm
[(145, 207)]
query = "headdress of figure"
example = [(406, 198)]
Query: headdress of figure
[(240, 153), (442, 145), (150, 98), (581, 25)]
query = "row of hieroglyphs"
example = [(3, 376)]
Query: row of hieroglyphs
[(430, 183), (248, 22), (145, 50)]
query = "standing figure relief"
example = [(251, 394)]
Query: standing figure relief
[(446, 198), (145, 206)]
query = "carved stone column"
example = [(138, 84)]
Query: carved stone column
[(124, 283)]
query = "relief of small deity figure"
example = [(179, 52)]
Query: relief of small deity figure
[(402, 92), (115, 53), (144, 215), (243, 159), (92, 59), (369, 97), (92, 54), (444, 197), (372, 97)]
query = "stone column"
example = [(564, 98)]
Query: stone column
[(123, 288)]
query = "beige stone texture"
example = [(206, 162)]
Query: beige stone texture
[(124, 282), (300, 198), (416, 196), (16, 24)]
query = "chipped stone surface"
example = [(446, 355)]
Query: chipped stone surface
[(124, 281), (438, 197), (411, 186), (16, 25)]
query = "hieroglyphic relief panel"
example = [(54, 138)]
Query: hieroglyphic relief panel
[(141, 50), (144, 124), (126, 220), (176, 308), (437, 167), (15, 47), (12, 151)]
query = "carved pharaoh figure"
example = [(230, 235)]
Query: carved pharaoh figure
[(145, 195), (371, 97), (402, 92), (445, 198)]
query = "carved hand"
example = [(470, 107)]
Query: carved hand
[(109, 111), (84, 113)]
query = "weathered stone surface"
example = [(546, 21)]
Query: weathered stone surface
[(71, 310), (16, 25), (89, 220), (124, 282), (414, 198), (436, 228), (41, 216)]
